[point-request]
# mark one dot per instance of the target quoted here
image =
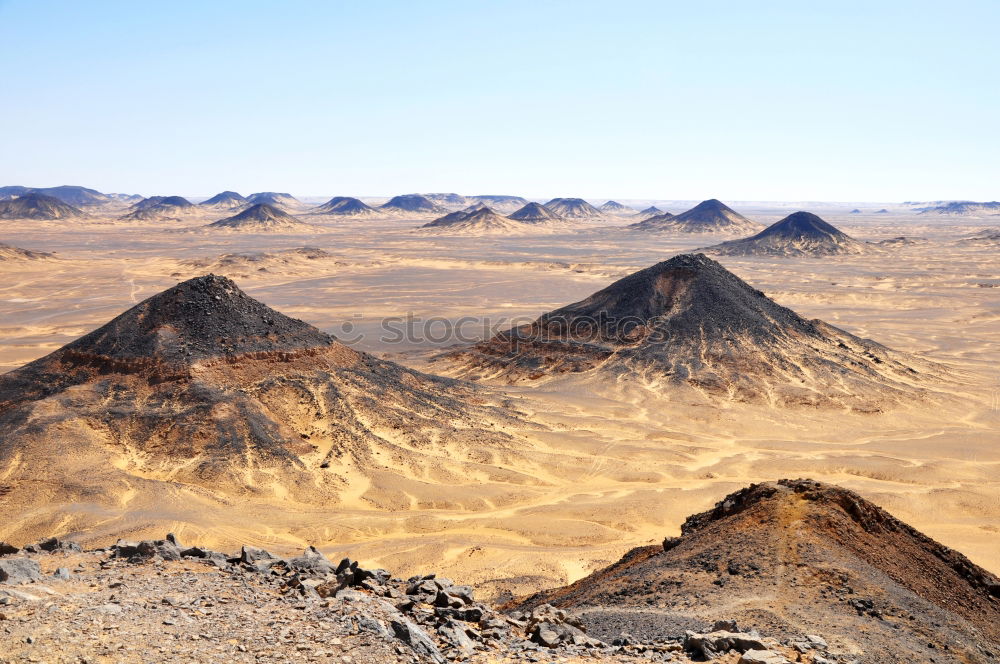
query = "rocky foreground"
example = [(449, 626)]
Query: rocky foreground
[(159, 601)]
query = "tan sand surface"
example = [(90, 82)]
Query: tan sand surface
[(612, 465)]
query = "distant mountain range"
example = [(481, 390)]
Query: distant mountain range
[(963, 208), (37, 206), (69, 194)]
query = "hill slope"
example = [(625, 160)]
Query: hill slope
[(798, 234), (201, 392), (260, 217), (689, 322), (479, 220), (159, 208), (225, 200), (798, 557), (534, 213), (70, 194), (711, 216), (345, 206), (282, 201), (573, 208), (412, 204), (37, 206)]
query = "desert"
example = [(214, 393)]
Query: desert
[(564, 332)]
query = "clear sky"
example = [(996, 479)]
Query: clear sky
[(767, 100)]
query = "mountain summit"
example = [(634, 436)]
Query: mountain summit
[(412, 203), (573, 208), (711, 216), (798, 234), (259, 217), (690, 322), (534, 213), (797, 557), (225, 200), (346, 206)]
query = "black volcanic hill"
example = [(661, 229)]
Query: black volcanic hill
[(651, 211), (225, 200), (345, 206), (689, 322), (798, 557), (798, 234), (69, 194), (206, 317), (711, 216), (282, 201), (448, 199), (614, 207), (259, 217), (480, 219), (534, 213), (500, 202), (412, 203), (199, 319), (159, 208), (204, 386), (573, 208), (37, 206)]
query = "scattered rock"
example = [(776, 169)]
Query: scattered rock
[(762, 657), (19, 570)]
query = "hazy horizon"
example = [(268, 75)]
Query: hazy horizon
[(645, 101)]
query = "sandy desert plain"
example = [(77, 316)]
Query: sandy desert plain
[(595, 466)]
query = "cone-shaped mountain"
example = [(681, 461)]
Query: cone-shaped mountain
[(204, 390), (346, 206), (798, 234), (411, 203), (260, 215), (534, 213), (690, 322), (711, 216), (225, 200), (573, 208)]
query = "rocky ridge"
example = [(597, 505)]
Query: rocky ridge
[(165, 601)]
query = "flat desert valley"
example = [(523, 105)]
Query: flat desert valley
[(591, 466)]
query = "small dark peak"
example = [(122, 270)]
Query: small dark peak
[(276, 199), (801, 224), (573, 208), (176, 201), (345, 206), (614, 207), (225, 199), (411, 203), (481, 215), (534, 212), (259, 215)]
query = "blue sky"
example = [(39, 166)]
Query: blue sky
[(740, 100)]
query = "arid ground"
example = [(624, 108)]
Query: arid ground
[(603, 466)]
